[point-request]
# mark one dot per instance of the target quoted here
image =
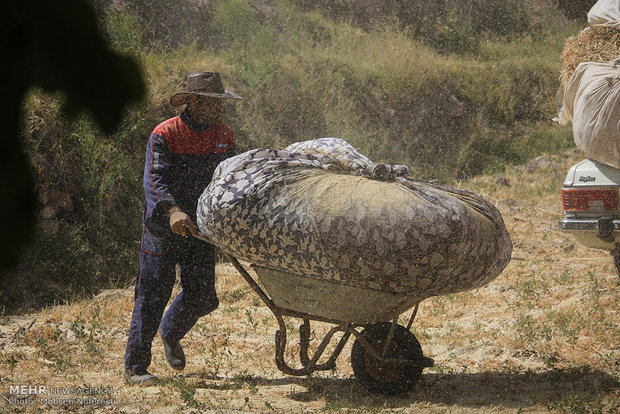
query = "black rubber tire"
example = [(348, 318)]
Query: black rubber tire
[(390, 379)]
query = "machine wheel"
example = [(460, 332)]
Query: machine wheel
[(382, 378)]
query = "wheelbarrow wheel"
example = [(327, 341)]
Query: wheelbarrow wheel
[(386, 378)]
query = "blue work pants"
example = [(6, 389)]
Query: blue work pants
[(156, 276)]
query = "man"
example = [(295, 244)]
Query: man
[(181, 155)]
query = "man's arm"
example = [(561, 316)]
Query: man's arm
[(157, 172), (157, 182), (160, 169)]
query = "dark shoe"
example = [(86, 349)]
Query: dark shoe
[(174, 353), (140, 378)]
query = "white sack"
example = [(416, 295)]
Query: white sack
[(592, 103), (605, 12)]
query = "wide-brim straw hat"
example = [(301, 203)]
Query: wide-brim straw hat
[(203, 84)]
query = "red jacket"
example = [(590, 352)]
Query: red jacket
[(181, 156)]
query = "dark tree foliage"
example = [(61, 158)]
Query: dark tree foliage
[(576, 9), (166, 23), (452, 26), (54, 45)]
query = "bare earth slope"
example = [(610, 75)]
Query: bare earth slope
[(544, 336)]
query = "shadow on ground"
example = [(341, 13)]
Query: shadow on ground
[(567, 388)]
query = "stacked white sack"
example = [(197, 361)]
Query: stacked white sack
[(605, 12), (592, 104)]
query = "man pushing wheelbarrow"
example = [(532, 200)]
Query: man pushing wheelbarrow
[(181, 155)]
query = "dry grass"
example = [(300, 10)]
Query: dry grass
[(404, 68), (597, 43), (542, 337)]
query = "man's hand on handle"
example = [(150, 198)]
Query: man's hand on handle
[(180, 222)]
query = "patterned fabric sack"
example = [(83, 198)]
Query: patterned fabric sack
[(321, 209)]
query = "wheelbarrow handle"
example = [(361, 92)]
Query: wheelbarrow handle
[(204, 238)]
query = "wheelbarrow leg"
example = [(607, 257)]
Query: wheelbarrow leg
[(304, 342), (331, 362), (311, 366), (388, 341), (413, 314)]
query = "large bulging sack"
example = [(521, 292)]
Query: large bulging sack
[(321, 209), (605, 12), (592, 103)]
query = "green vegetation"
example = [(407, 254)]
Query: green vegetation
[(450, 92), (187, 392)]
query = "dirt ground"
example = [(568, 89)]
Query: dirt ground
[(542, 337)]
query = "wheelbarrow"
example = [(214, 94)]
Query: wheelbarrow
[(332, 214), (386, 357)]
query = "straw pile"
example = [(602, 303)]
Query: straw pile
[(598, 43)]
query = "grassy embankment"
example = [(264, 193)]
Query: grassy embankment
[(542, 337), (459, 101)]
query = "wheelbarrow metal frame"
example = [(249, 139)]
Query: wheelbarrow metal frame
[(310, 364)]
